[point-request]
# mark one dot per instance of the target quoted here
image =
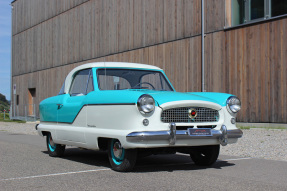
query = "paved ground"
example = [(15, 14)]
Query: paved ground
[(25, 165)]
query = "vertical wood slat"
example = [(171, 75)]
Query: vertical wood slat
[(214, 15), (96, 28), (138, 24), (169, 21), (284, 69), (194, 65)]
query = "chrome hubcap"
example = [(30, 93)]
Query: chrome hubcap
[(117, 149)]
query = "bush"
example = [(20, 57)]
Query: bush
[(7, 118)]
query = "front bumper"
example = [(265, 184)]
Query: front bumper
[(172, 135)]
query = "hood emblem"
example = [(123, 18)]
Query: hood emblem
[(192, 113)]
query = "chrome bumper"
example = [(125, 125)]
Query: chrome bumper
[(172, 135)]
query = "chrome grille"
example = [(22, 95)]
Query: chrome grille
[(180, 115)]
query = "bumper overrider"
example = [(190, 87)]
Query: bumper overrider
[(172, 135)]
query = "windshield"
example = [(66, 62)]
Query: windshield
[(119, 79)]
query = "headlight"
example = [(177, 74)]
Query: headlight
[(233, 104), (146, 103)]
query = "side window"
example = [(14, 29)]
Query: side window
[(62, 91), (82, 83), (90, 86)]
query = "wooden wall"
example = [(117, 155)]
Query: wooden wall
[(98, 28), (249, 62), (28, 13), (184, 76)]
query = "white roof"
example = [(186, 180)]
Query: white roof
[(106, 65), (116, 65)]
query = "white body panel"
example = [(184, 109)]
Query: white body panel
[(117, 121)]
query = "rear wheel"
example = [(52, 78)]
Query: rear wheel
[(205, 155), (54, 150), (121, 159)]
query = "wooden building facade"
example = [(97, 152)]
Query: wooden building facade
[(51, 37)]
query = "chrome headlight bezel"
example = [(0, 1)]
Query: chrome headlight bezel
[(233, 104), (146, 104)]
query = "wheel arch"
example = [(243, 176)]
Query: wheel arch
[(103, 143), (45, 133)]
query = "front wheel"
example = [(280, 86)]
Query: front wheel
[(121, 159), (205, 155), (54, 150)]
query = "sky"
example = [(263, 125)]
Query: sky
[(5, 47)]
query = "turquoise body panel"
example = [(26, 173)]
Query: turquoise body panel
[(72, 105), (48, 109)]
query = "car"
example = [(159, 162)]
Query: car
[(132, 110)]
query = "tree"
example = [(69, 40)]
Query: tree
[(4, 104)]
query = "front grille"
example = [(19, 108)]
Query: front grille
[(199, 126), (181, 115)]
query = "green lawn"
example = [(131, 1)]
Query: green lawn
[(251, 127), (7, 119)]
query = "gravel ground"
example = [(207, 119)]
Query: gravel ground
[(255, 143), (19, 128), (260, 143)]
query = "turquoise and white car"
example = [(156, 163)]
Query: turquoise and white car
[(132, 110)]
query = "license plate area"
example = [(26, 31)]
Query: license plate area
[(199, 132)]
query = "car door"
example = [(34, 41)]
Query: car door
[(71, 108)]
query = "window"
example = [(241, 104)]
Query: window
[(156, 80), (62, 91), (238, 12), (119, 79), (82, 83), (90, 85), (109, 82), (278, 7), (256, 9), (244, 11)]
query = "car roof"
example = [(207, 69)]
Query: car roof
[(115, 65)]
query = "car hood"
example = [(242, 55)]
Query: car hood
[(161, 97), (164, 97)]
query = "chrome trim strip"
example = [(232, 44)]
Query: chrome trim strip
[(180, 134)]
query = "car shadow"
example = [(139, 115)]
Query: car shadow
[(173, 162), (153, 163), (88, 157)]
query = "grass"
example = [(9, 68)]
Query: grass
[(7, 119), (268, 128)]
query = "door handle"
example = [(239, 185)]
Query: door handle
[(60, 106)]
